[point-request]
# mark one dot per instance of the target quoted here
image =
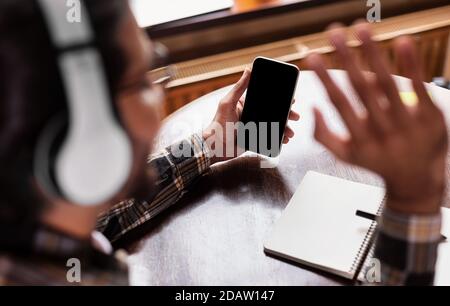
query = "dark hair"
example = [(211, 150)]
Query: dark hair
[(31, 93)]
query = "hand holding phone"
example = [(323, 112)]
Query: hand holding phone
[(221, 135), (267, 105)]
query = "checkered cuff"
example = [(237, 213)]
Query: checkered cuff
[(407, 247), (190, 158), (411, 228), (202, 152)]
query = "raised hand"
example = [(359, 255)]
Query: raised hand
[(405, 145)]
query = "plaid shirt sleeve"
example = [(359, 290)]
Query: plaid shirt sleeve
[(407, 248), (177, 167)]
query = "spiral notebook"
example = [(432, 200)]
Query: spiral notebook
[(319, 227)]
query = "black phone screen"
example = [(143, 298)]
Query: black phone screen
[(267, 104)]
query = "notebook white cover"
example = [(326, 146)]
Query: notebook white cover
[(319, 227)]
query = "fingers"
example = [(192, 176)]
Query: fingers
[(410, 63), (337, 97), (288, 132), (366, 92), (239, 88), (285, 140), (328, 139), (294, 116), (384, 78)]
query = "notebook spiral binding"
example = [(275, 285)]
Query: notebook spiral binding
[(363, 251)]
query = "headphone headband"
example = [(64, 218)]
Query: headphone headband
[(65, 34)]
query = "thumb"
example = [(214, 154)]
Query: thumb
[(239, 88)]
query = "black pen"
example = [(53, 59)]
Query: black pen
[(373, 217)]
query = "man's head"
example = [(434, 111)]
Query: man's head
[(32, 93)]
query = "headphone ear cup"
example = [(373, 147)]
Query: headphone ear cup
[(47, 149), (91, 167), (83, 171)]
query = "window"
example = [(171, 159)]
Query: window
[(153, 12)]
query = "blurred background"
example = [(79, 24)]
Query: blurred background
[(210, 42)]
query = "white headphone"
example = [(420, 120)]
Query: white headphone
[(94, 159)]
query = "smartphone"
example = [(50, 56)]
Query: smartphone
[(267, 105)]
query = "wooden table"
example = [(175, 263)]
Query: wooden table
[(215, 234)]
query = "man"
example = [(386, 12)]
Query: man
[(64, 229), (40, 230)]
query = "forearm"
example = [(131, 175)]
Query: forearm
[(176, 168)]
